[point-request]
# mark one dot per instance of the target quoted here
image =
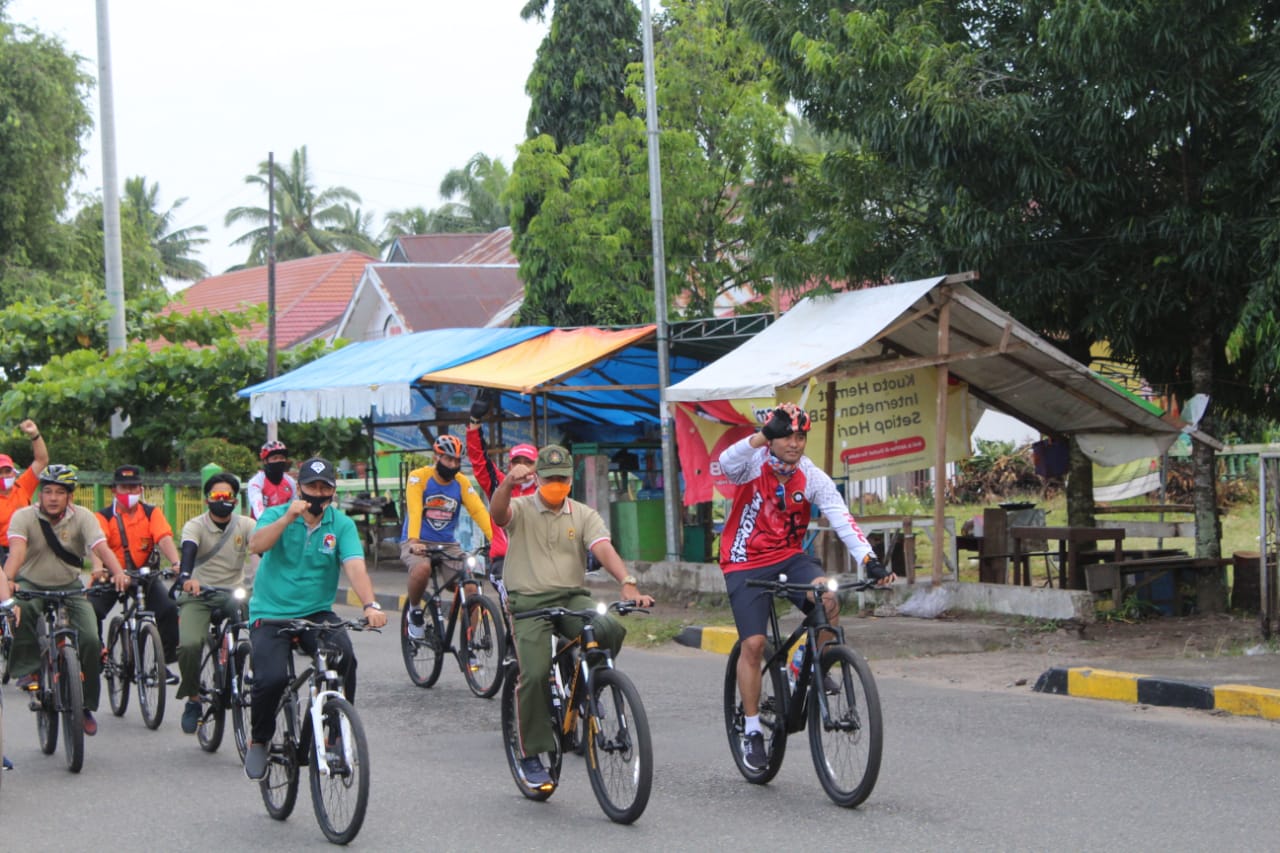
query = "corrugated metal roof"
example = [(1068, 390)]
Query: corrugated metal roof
[(495, 248), (440, 296), (431, 248)]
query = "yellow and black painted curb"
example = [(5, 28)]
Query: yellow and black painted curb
[(387, 600), (1090, 683), (717, 639)]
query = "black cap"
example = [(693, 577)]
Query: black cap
[(128, 475), (222, 477), (317, 470)]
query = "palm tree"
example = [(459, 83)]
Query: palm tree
[(404, 223), (479, 186), (353, 230), (174, 247), (309, 222)]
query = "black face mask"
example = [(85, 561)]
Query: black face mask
[(221, 509), (275, 471), (315, 505), (446, 472)]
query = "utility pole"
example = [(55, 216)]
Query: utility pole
[(110, 202), (272, 425), (670, 479)]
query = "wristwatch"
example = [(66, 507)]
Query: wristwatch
[(375, 605), (630, 579)]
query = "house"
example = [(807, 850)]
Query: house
[(312, 295), (430, 248)]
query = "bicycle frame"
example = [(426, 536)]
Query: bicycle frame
[(805, 688), (321, 683), (464, 578), (53, 632), (133, 615)]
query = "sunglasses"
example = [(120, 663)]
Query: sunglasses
[(221, 495)]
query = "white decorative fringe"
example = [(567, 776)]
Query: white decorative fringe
[(352, 401)]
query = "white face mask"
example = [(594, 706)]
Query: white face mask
[(7, 482)]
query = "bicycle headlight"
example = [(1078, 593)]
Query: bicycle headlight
[(601, 608), (832, 584), (239, 594)]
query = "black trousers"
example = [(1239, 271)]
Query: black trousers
[(270, 657), (159, 603)]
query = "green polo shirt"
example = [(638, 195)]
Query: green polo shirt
[(77, 531), (299, 576), (225, 566), (547, 550)]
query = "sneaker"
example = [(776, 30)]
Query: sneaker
[(8, 765), (170, 677), (473, 662), (416, 628), (533, 771), (829, 685), (255, 762), (190, 718), (29, 682), (753, 754), (90, 724)]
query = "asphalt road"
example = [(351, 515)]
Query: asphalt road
[(964, 769)]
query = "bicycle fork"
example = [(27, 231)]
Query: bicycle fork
[(319, 747)]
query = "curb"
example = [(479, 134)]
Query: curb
[(716, 639), (389, 601), (1090, 683)]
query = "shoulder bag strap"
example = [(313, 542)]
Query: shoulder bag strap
[(63, 554)]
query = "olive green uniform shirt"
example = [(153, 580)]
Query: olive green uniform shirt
[(77, 530), (226, 567), (548, 550)]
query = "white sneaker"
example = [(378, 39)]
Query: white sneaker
[(416, 628)]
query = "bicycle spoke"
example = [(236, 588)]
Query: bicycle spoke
[(845, 738), (619, 755), (340, 791)]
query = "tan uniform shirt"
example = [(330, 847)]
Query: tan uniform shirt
[(548, 550), (77, 530), (226, 567)]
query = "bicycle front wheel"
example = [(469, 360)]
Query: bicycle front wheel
[(773, 717), (209, 693), (118, 666), (240, 693), (846, 740), (422, 658), (47, 712), (280, 786), (511, 743), (619, 751), (71, 696), (484, 648), (341, 794), (151, 675)]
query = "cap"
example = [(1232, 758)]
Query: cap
[(554, 461), (317, 470), (528, 451), (6, 461), (128, 475)]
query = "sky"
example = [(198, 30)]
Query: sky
[(387, 95)]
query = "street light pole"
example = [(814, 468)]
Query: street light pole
[(110, 202), (670, 479)]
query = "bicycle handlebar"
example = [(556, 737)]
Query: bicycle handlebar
[(781, 587), (30, 595), (294, 627), (621, 607)]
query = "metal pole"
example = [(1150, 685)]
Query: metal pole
[(110, 202), (670, 479), (272, 426)]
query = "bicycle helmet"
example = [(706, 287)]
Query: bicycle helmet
[(61, 475), (448, 445), (272, 447)]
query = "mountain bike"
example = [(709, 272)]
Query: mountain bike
[(588, 687), (316, 726), (481, 640), (57, 696), (6, 643), (834, 693), (224, 673), (135, 653)]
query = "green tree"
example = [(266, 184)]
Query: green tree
[(142, 266), (403, 223), (1106, 166), (309, 221), (480, 186), (175, 247)]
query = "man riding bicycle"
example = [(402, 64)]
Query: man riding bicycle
[(778, 486), (47, 543), (435, 496), (215, 549), (272, 486), (302, 545), (549, 537)]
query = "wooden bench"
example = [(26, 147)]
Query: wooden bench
[(1146, 528), (1110, 577)]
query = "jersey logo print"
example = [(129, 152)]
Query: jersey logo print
[(439, 511), (746, 526)]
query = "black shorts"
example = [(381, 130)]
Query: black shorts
[(751, 604)]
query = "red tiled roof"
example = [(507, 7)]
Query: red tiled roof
[(442, 296), (432, 248), (311, 295), (495, 248)]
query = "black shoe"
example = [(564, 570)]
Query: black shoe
[(170, 677), (829, 685), (191, 718), (255, 762), (753, 754), (8, 765), (534, 773)]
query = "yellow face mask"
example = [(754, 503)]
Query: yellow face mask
[(554, 493)]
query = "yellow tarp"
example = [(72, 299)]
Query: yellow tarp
[(543, 360)]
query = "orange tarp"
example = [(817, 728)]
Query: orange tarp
[(543, 360)]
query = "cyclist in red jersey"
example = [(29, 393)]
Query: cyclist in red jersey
[(273, 485), (778, 486)]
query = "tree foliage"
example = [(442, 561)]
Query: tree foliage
[(174, 246)]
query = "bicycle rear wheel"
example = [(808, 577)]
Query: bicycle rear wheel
[(71, 694), (47, 712), (619, 751), (847, 740), (422, 658), (6, 643), (341, 796), (773, 716), (484, 646), (511, 743), (210, 694), (280, 786), (118, 666), (151, 675), (240, 698)]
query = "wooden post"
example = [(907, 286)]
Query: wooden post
[(993, 565), (940, 436)]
